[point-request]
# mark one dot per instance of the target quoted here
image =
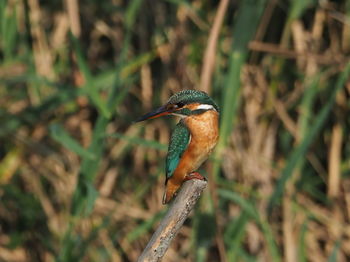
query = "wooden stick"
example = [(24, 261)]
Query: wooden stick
[(173, 220)]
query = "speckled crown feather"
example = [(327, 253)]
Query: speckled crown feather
[(192, 96)]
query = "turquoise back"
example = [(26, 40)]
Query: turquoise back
[(179, 141)]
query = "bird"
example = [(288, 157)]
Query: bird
[(191, 141)]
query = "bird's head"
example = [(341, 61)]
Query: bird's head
[(184, 103)]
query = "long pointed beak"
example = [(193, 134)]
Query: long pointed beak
[(161, 111)]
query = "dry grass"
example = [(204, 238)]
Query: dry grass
[(79, 182)]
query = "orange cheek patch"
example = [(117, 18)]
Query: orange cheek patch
[(192, 106)]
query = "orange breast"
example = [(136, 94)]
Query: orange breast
[(204, 129)]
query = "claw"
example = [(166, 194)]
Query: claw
[(195, 175)]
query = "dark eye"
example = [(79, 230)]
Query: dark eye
[(180, 104)]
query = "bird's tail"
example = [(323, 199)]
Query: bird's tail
[(170, 191)]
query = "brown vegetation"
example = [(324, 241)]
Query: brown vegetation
[(79, 181)]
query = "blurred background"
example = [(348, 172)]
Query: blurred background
[(80, 182)]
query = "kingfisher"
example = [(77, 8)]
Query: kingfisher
[(193, 138)]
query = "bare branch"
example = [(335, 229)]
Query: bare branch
[(173, 220)]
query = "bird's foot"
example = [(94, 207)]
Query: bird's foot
[(195, 175)]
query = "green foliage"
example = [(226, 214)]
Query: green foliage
[(300, 150), (79, 181), (61, 136), (8, 30)]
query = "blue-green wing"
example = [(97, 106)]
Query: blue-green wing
[(178, 143)]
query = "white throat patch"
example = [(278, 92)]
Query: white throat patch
[(182, 116), (206, 107)]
